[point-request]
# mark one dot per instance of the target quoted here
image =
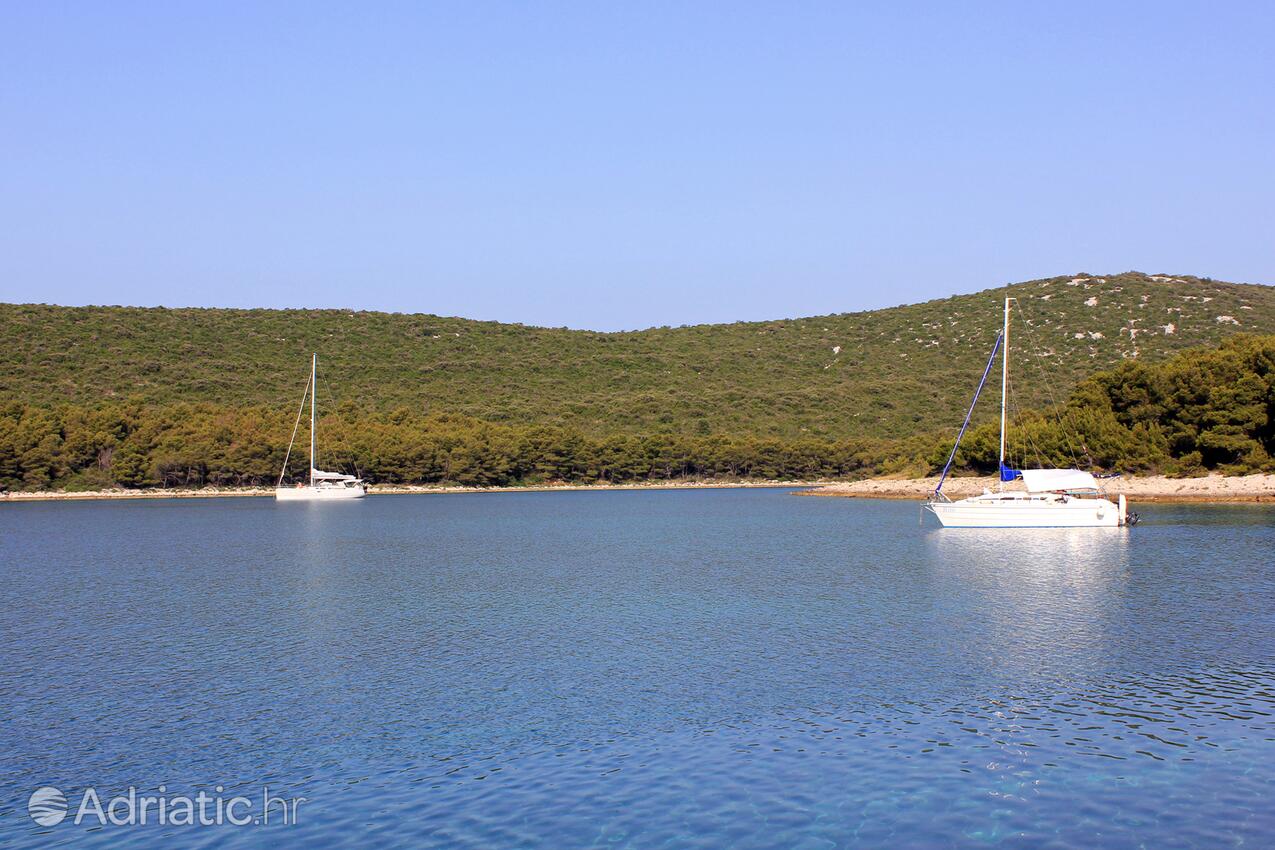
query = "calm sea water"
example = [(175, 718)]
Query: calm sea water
[(707, 669)]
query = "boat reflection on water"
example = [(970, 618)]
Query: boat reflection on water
[(1051, 600), (1044, 548)]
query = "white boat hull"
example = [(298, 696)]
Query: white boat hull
[(1028, 511), (318, 494)]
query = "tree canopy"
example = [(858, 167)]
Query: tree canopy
[(881, 374), (1203, 410)]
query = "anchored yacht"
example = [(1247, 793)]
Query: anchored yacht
[(322, 485), (1050, 498)]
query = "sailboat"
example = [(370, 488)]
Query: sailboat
[(323, 486), (1050, 498)]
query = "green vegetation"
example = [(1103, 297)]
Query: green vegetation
[(1201, 411), (885, 373), (101, 396)]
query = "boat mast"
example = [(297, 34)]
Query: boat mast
[(1000, 483), (314, 368)]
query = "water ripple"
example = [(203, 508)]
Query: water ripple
[(642, 670)]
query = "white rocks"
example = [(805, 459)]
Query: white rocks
[(836, 349), (1169, 328), (1091, 302), (1227, 320)]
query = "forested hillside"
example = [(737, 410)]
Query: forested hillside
[(1199, 411), (884, 373), (101, 397)]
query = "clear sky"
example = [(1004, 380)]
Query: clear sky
[(608, 166)]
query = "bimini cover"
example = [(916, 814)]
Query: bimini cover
[(320, 475), (1045, 480)]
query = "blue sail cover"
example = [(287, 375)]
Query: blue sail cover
[(1008, 474)]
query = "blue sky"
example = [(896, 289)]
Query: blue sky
[(617, 166)]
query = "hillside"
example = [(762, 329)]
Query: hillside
[(883, 373)]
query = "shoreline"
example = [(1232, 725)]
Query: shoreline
[(1217, 489), (385, 490), (1250, 489)]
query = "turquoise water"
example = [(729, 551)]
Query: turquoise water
[(640, 669)]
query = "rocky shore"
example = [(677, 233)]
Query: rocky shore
[(1147, 488), (375, 490), (1143, 488)]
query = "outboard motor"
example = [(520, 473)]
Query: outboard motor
[(1126, 518)]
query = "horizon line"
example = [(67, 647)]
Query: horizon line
[(1089, 275)]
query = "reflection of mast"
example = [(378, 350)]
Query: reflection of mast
[(1000, 466)]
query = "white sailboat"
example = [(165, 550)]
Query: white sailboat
[(1050, 498), (324, 486)]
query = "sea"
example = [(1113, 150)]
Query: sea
[(730, 668)]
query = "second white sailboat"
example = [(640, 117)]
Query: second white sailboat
[(323, 485)]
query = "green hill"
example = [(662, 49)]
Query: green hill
[(883, 373)]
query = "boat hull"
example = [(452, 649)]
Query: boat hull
[(318, 494), (981, 512)]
